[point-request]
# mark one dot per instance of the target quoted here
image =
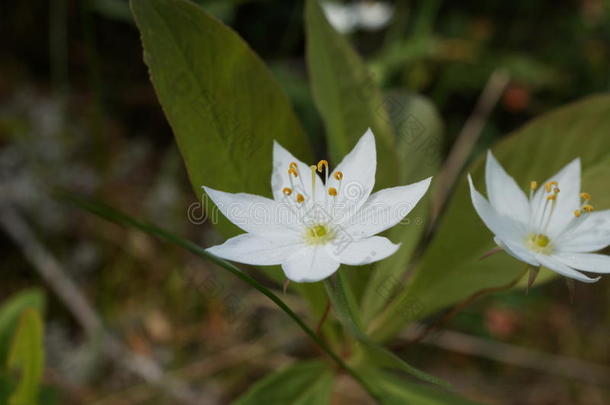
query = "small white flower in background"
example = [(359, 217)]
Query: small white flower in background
[(555, 227), (368, 15), (312, 226)]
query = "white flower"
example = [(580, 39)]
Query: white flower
[(311, 227), (555, 227)]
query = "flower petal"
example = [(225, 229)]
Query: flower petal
[(592, 262), (518, 251), (256, 250), (589, 233), (363, 251), (567, 202), (255, 214), (358, 168), (281, 179), (385, 208), (309, 264), (503, 227), (554, 264), (503, 192)]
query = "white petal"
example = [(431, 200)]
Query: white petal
[(309, 264), (592, 262), (281, 179), (568, 200), (503, 227), (363, 251), (589, 233), (503, 192), (554, 264), (518, 251), (255, 214), (385, 208), (256, 250), (358, 168)]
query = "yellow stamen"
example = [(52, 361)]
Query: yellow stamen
[(287, 190), (552, 197), (332, 191), (293, 171), (293, 165), (577, 213), (533, 185), (313, 181), (585, 196), (338, 176), (549, 186), (557, 190), (322, 164), (300, 198), (587, 208)]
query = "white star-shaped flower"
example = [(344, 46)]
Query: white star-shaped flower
[(311, 226), (555, 227)]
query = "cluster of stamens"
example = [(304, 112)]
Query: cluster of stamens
[(294, 174), (585, 206)]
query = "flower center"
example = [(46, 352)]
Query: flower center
[(319, 234), (540, 243)]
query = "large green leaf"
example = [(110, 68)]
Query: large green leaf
[(26, 358), (419, 131), (451, 270), (11, 310), (374, 354), (221, 101), (307, 383), (346, 95)]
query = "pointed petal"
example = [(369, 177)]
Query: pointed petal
[(255, 214), (256, 250), (568, 200), (504, 194), (518, 251), (309, 264), (363, 251), (589, 233), (358, 168), (281, 179), (503, 227), (552, 263), (385, 208), (595, 263)]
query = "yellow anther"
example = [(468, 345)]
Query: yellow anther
[(549, 186), (293, 171), (293, 165), (552, 197), (287, 190), (577, 213), (322, 164), (587, 208), (533, 185), (338, 175), (332, 191), (557, 190), (585, 196), (300, 198)]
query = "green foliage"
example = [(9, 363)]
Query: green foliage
[(346, 95), (305, 383), (221, 101), (10, 313), (26, 358), (450, 269)]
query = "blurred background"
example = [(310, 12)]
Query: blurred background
[(78, 112)]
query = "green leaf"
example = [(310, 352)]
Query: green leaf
[(346, 95), (419, 131), (26, 358), (397, 391), (11, 310), (374, 353), (307, 383), (221, 101), (120, 218), (451, 270)]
